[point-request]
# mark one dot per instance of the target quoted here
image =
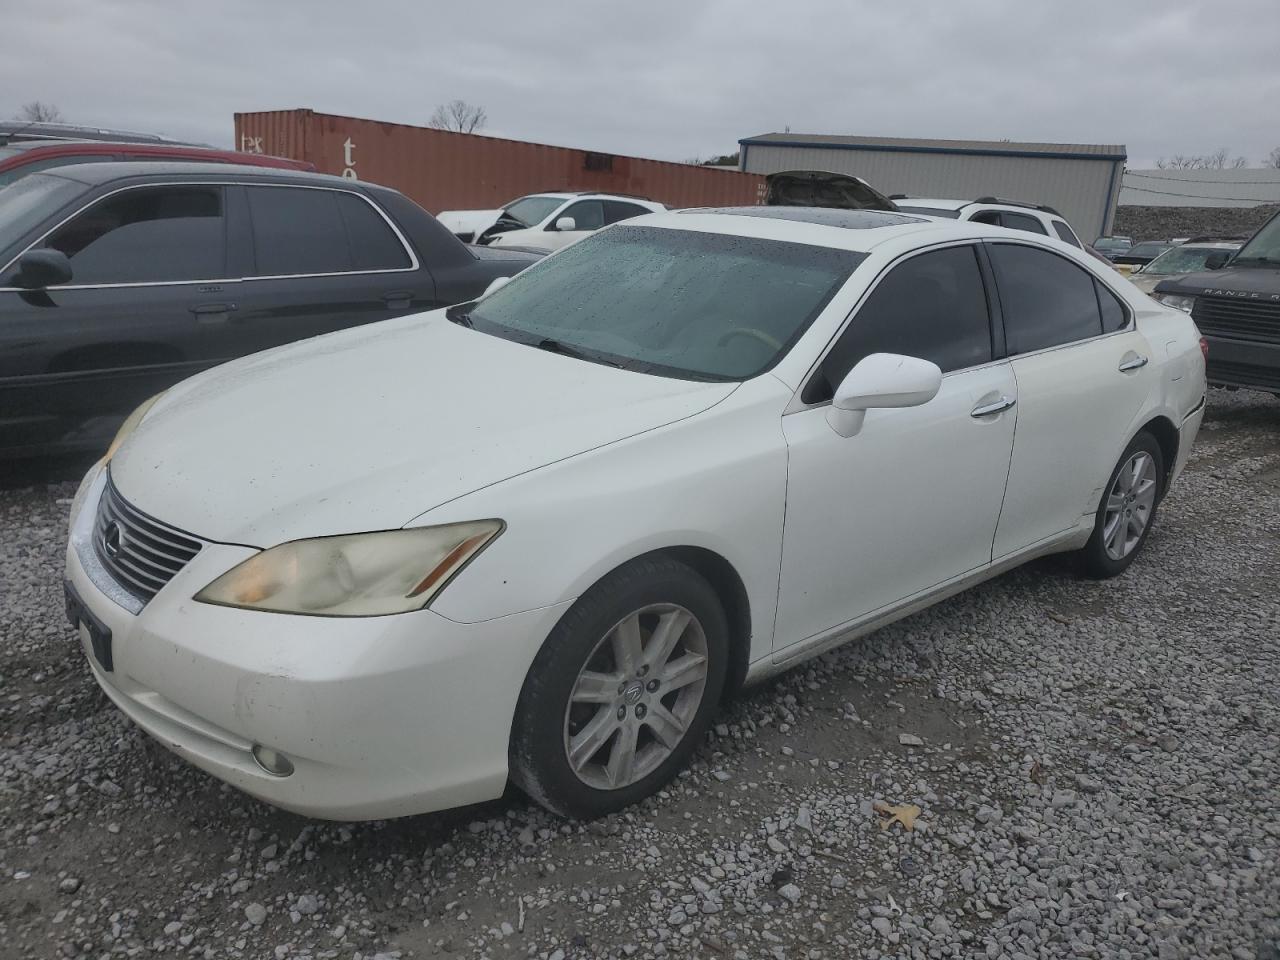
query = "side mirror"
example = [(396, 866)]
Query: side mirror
[(497, 283), (38, 269), (881, 380), (566, 223), (1217, 259)]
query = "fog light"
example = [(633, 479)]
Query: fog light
[(275, 763)]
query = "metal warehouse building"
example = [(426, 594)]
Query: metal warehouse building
[(1081, 181)]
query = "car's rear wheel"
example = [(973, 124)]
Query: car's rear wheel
[(622, 691), (1127, 510)]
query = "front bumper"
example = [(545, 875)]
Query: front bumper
[(1243, 363), (380, 716)]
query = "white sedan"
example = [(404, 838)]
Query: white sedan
[(539, 537)]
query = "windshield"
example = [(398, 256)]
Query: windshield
[(532, 210), (1148, 249), (28, 201), (681, 303), (1111, 243), (1180, 260), (931, 211), (1264, 247)]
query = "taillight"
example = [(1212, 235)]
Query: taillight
[(1204, 348)]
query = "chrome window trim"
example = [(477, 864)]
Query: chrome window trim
[(414, 263), (797, 405)]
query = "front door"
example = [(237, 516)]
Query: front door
[(913, 499), (588, 217), (1083, 375), (147, 266)]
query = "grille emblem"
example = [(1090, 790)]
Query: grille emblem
[(113, 539)]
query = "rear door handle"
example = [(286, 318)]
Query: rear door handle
[(1133, 363), (995, 406), (398, 298), (213, 312)]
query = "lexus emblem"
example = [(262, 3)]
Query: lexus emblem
[(113, 539)]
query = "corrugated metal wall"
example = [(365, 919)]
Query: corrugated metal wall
[(453, 171), (1081, 190)]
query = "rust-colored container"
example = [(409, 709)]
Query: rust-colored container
[(463, 171)]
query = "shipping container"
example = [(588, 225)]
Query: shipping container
[(442, 170)]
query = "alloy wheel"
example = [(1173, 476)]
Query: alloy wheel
[(1129, 504), (636, 696)]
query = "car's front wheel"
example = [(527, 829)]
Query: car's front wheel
[(1127, 510), (622, 691)]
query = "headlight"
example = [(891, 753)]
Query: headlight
[(361, 575), (131, 424), (1177, 301)]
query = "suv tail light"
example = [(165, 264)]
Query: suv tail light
[(1204, 348)]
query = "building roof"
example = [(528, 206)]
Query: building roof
[(1200, 188), (996, 148)]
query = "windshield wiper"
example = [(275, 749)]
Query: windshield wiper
[(555, 346), (460, 315)]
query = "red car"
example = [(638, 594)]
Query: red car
[(30, 156)]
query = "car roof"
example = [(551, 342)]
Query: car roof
[(580, 194), (937, 204), (176, 150), (820, 226), (95, 174)]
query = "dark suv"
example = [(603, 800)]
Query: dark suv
[(117, 280), (1236, 305)]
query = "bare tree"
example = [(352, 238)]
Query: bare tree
[(1273, 159), (37, 111), (458, 116), (1220, 159)]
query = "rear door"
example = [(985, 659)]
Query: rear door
[(319, 259), (1083, 376), (147, 264)]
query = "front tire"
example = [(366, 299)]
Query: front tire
[(1127, 511), (622, 691)]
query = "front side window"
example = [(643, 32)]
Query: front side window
[(1064, 233), (25, 204), (35, 166), (679, 303), (933, 306), (301, 231), (1022, 221), (587, 215), (1046, 299), (147, 235)]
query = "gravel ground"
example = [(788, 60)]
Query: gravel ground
[(1096, 767)]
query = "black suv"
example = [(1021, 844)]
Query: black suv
[(117, 280), (1236, 305)]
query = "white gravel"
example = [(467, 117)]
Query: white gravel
[(1096, 765)]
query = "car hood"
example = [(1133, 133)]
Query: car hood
[(1248, 283), (469, 221), (368, 428), (1147, 282), (818, 188)]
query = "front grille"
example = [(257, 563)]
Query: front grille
[(142, 553), (1243, 374), (1240, 319)]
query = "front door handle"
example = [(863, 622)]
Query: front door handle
[(213, 312), (1136, 362), (995, 406), (397, 299)]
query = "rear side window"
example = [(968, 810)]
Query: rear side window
[(1046, 299), (149, 235), (1114, 315), (1064, 232), (933, 306), (615, 210), (299, 231), (1022, 221)]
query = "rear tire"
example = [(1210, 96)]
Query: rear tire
[(1127, 510), (622, 691)]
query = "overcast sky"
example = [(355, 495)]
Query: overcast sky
[(671, 80)]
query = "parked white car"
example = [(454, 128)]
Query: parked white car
[(545, 222), (541, 535), (1011, 214)]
